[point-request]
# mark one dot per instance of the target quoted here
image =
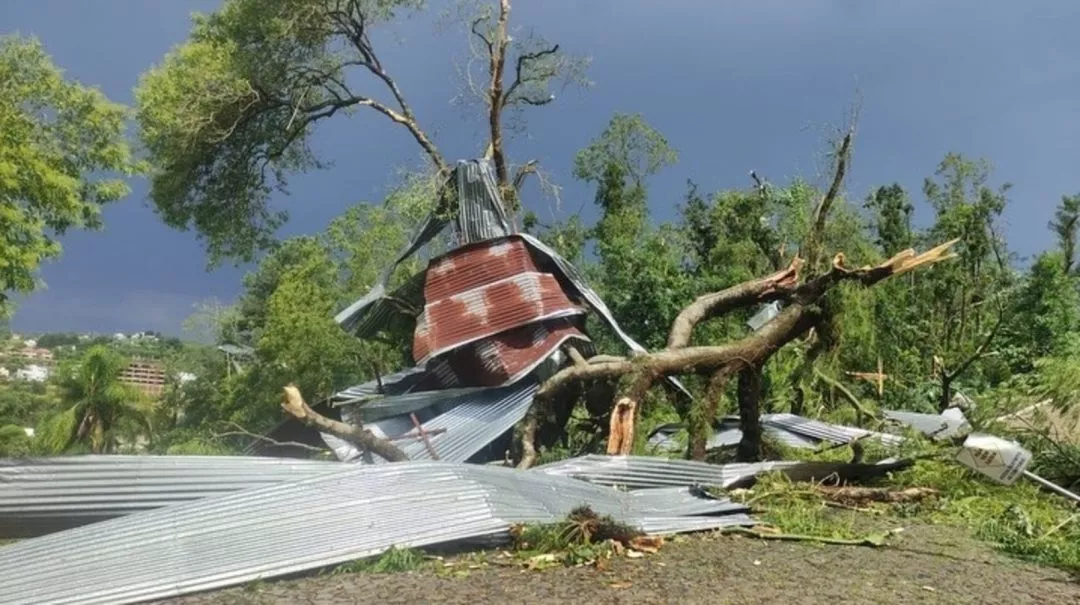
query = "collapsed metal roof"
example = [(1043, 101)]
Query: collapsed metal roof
[(41, 496), (324, 520)]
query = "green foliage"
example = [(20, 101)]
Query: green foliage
[(14, 442), (99, 408), (628, 142), (62, 146), (393, 560)]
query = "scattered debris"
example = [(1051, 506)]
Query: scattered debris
[(876, 539), (853, 495), (1003, 461)]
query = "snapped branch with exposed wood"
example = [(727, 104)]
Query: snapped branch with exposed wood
[(293, 403)]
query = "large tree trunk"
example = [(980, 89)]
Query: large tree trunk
[(751, 390)]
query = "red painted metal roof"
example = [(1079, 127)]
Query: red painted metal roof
[(491, 315), (480, 291)]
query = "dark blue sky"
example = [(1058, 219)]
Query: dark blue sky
[(734, 85)]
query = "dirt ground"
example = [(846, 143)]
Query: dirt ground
[(923, 564)]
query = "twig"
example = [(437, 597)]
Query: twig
[(241, 432), (872, 540), (845, 392), (411, 435), (424, 436)]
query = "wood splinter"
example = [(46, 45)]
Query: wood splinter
[(621, 436)]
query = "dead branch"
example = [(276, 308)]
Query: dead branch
[(351, 23), (859, 407), (293, 403), (239, 431), (496, 99), (817, 230), (852, 495)]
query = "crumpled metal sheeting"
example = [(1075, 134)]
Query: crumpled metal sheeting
[(303, 525), (571, 273), (644, 472), (474, 422), (45, 495), (681, 501), (948, 424), (824, 431), (397, 383), (732, 437)]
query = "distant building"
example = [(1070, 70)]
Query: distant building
[(147, 376), (35, 354), (33, 373)]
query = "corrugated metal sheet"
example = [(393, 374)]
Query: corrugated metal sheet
[(392, 384), (458, 312), (637, 472), (40, 496), (948, 424), (824, 431), (480, 216), (472, 421), (507, 357), (731, 437), (308, 524)]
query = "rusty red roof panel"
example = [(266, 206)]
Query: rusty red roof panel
[(476, 265), (482, 290), (508, 356)]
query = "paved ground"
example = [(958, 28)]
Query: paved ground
[(923, 565)]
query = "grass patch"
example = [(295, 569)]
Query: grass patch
[(393, 560), (1018, 520)]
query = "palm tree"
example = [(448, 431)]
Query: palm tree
[(99, 405)]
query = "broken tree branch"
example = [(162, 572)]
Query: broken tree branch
[(816, 237), (766, 289), (239, 431), (293, 403)]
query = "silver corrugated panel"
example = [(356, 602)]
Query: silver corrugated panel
[(391, 384), (303, 525), (732, 437), (948, 424), (481, 215), (681, 501), (643, 472), (475, 420), (40, 496), (824, 431)]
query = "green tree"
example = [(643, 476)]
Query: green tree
[(99, 407), (1066, 226), (891, 218), (228, 116), (62, 148)]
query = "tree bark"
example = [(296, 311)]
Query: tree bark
[(750, 391)]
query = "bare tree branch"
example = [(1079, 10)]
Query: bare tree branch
[(497, 61), (817, 230), (293, 403), (239, 431)]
